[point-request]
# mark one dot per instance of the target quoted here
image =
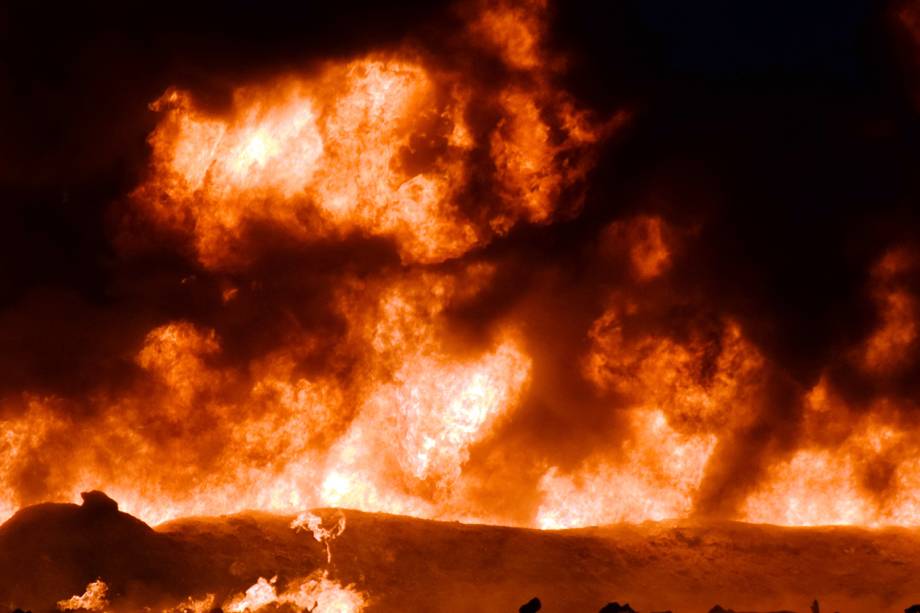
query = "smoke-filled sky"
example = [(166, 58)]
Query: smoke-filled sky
[(493, 261)]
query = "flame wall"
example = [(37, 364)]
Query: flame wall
[(464, 263)]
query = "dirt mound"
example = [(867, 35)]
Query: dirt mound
[(52, 551)]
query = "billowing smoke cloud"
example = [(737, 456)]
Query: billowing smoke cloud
[(495, 261)]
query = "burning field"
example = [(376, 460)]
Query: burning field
[(472, 280)]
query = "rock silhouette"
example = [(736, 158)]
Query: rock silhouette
[(98, 502), (616, 607), (719, 609), (914, 608), (531, 606)]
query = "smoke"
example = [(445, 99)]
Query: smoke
[(493, 261)]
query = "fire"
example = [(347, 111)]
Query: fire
[(858, 465), (260, 594), (315, 156), (660, 472), (643, 238), (391, 144), (696, 383), (194, 605), (681, 399), (531, 169), (446, 405), (890, 346), (514, 31), (397, 433), (93, 599), (314, 593), (317, 592), (823, 487), (432, 446), (395, 438), (314, 523), (369, 394), (869, 479), (380, 145)]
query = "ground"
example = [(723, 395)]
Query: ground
[(51, 551)]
